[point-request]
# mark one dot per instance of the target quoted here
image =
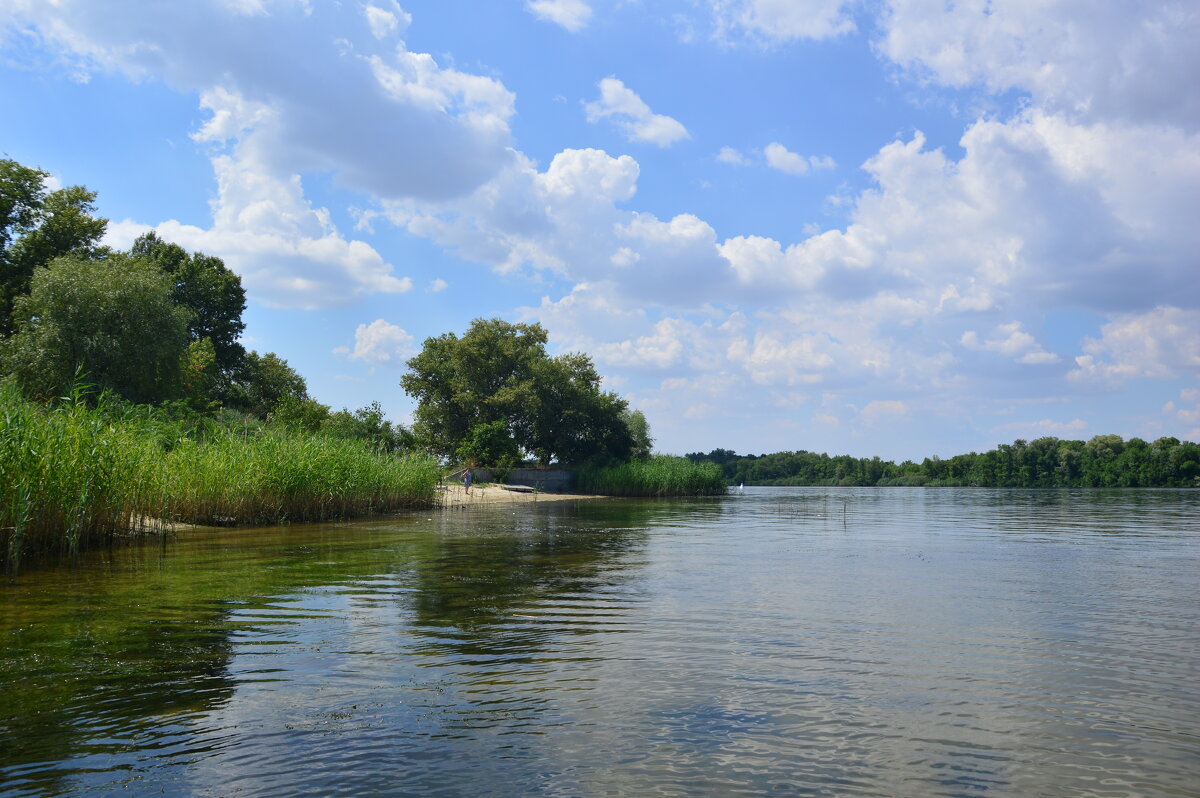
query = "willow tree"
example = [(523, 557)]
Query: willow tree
[(497, 378), (110, 320)]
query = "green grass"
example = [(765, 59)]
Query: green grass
[(73, 476), (661, 475), (278, 477)]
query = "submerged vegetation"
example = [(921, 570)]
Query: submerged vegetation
[(659, 475), (1105, 461), (74, 475)]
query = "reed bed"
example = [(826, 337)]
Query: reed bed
[(661, 475), (282, 477), (74, 476), (68, 478)]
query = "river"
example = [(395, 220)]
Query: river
[(799, 641)]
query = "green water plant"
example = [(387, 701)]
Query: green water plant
[(660, 475), (79, 472)]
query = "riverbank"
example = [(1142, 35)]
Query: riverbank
[(455, 497)]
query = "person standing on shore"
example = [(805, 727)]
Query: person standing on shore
[(467, 480)]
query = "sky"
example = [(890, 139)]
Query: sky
[(875, 227)]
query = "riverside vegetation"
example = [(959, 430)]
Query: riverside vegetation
[(658, 475), (128, 401), (75, 475), (1105, 461)]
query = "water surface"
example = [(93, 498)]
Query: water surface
[(798, 641)]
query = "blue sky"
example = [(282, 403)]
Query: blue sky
[(893, 227)]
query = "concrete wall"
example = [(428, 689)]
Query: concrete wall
[(551, 480)]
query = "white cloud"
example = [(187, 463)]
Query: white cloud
[(632, 115), (781, 158), (1045, 427), (1011, 341), (385, 22), (1163, 343), (732, 157), (288, 253), (1111, 61), (437, 285), (381, 344), (389, 122), (780, 20), (883, 410), (573, 15)]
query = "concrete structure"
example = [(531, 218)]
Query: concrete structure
[(550, 480)]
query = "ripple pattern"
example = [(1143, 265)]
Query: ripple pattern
[(823, 642)]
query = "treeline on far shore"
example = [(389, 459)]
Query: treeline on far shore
[(1105, 461)]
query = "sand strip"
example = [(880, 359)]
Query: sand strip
[(454, 496)]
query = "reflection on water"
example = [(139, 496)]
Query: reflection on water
[(802, 641)]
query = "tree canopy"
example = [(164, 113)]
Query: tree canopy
[(111, 320), (37, 226), (207, 288), (1105, 461), (497, 390)]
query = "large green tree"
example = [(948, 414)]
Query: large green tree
[(110, 320), (37, 226), (206, 287), (499, 373), (261, 383)]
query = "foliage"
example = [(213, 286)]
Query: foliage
[(37, 226), (307, 415), (73, 475), (659, 475), (203, 285), (639, 431), (499, 372), (488, 444), (68, 477), (368, 423), (1104, 461), (112, 319), (280, 476), (261, 382)]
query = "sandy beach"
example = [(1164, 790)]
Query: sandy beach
[(453, 496)]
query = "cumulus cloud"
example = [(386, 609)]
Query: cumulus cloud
[(1011, 341), (772, 21), (381, 343), (883, 411), (288, 253), (1163, 343), (573, 15), (781, 158), (294, 89), (1119, 61), (567, 221), (732, 157), (633, 116), (1044, 427), (387, 21)]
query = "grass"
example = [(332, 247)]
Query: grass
[(74, 476), (279, 477), (661, 475)]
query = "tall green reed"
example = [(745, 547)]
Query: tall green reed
[(74, 476), (661, 475)]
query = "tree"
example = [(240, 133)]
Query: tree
[(111, 320), (203, 285), (261, 382), (368, 423), (36, 227), (552, 408), (639, 431)]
